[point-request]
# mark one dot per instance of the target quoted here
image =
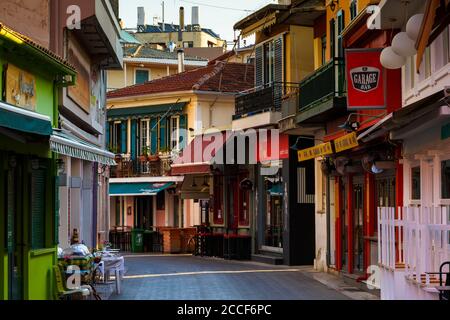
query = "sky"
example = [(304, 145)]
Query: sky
[(212, 13)]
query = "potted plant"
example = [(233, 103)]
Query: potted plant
[(145, 154)]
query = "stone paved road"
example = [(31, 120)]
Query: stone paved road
[(194, 278)]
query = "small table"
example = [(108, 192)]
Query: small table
[(114, 264)]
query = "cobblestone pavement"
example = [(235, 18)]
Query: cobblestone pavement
[(158, 277)]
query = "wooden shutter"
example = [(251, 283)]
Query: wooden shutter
[(183, 131), (134, 130), (123, 132), (37, 208), (154, 135), (278, 70), (163, 133), (259, 66)]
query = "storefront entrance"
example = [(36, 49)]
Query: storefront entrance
[(358, 225), (144, 212)]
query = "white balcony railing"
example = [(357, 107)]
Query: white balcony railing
[(415, 239)]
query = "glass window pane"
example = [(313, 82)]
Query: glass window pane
[(415, 183), (445, 179)]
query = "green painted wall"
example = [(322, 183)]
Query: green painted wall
[(37, 264)]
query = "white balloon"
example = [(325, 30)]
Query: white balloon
[(413, 26), (403, 45), (390, 60)]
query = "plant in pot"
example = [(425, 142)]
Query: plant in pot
[(145, 154)]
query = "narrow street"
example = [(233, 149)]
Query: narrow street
[(154, 277)]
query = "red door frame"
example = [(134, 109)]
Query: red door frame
[(338, 223), (350, 224)]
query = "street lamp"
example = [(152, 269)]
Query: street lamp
[(333, 4), (354, 125)]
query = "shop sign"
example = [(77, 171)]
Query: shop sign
[(314, 152), (346, 142), (20, 88), (366, 79)]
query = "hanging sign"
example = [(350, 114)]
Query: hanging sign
[(314, 152), (366, 79), (346, 142)]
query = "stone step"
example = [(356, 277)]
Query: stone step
[(268, 259)]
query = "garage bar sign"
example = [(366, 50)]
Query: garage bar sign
[(314, 152), (366, 87)]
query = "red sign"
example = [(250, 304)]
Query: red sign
[(268, 152), (365, 79)]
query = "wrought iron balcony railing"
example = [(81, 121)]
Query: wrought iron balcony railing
[(263, 98), (325, 83), (156, 166)]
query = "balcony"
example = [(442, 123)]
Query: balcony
[(263, 104), (323, 93), (153, 166)]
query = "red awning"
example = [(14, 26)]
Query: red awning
[(200, 154)]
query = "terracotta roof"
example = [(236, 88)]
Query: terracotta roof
[(50, 54), (221, 77)]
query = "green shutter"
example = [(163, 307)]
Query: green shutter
[(163, 133), (154, 135), (123, 129), (38, 178), (259, 61), (183, 130), (133, 139), (56, 188)]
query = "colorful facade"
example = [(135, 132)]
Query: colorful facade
[(29, 112)]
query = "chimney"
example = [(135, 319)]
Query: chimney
[(163, 18), (180, 60), (141, 19), (180, 32), (195, 21)]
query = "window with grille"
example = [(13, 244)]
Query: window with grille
[(353, 9)]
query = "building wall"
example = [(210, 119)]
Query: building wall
[(199, 39), (34, 20), (299, 57), (345, 6)]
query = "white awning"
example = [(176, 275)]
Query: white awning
[(69, 145)]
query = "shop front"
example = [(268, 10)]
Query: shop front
[(28, 175)]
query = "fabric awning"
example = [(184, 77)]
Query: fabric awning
[(276, 190), (66, 144), (19, 119), (137, 189), (139, 112), (200, 154)]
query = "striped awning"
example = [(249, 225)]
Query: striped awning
[(260, 25), (66, 144)]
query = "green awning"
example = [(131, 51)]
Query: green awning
[(67, 144), (140, 112), (276, 190), (19, 119), (137, 189)]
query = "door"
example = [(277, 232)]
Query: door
[(15, 241), (144, 212), (344, 223), (232, 203), (358, 226)]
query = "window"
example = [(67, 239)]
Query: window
[(175, 133), (332, 38), (415, 183), (269, 62), (324, 49), (445, 179), (341, 27), (142, 76), (269, 56), (161, 201), (145, 135), (116, 137), (353, 9), (188, 44)]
